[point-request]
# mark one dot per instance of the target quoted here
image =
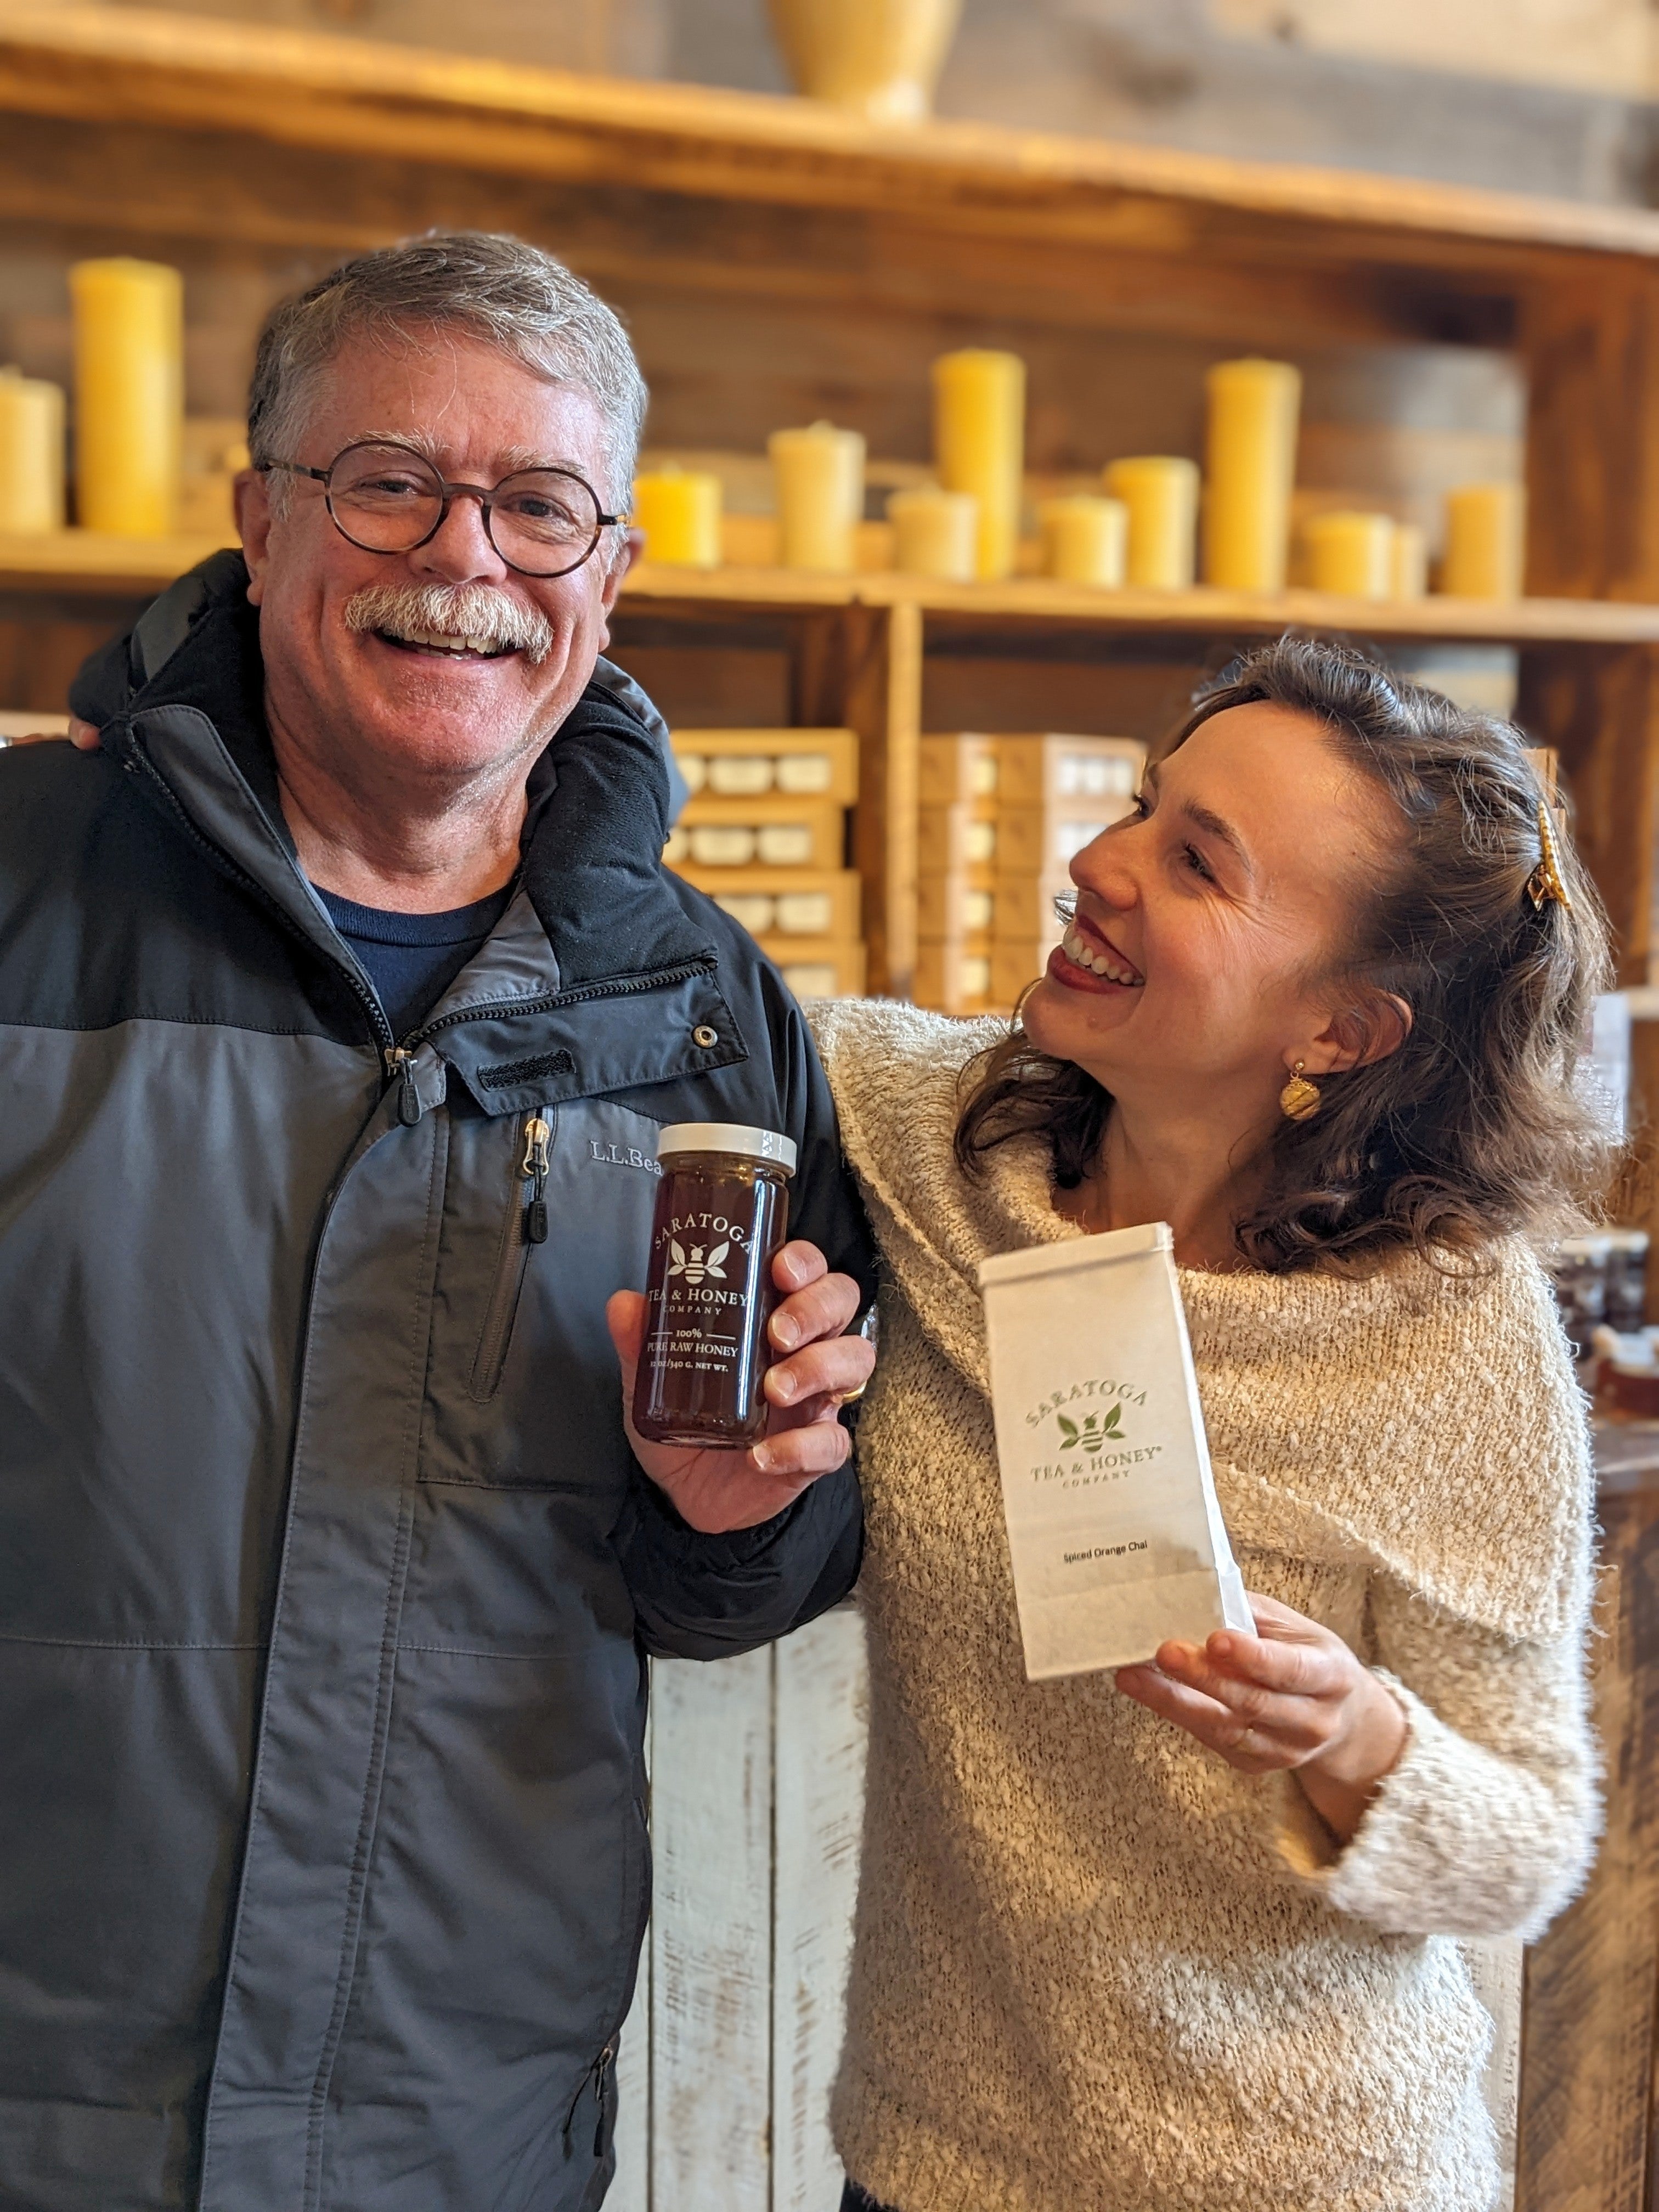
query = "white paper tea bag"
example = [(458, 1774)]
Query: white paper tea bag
[(1116, 1536)]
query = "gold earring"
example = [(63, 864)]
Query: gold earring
[(1299, 1100)]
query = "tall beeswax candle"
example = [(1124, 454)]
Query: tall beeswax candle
[(979, 444), (31, 454), (1486, 541), (1084, 539), (679, 511), (1161, 493), (129, 395), (1249, 470), (1353, 554), (817, 476), (935, 533)]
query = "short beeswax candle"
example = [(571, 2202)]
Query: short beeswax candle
[(979, 444), (1486, 541), (679, 511), (1353, 554), (129, 395), (1410, 579), (1160, 491), (935, 533), (817, 476), (1084, 539), (31, 454), (1249, 470)]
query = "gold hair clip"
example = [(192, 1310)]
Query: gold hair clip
[(1544, 881)]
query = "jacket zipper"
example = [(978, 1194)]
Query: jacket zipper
[(618, 986), (525, 1224), (399, 1058), (594, 2079)]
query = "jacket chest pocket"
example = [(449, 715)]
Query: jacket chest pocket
[(524, 1226)]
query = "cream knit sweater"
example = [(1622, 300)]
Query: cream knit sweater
[(1096, 1969)]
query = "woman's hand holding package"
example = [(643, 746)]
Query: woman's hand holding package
[(1293, 1696), (817, 1367)]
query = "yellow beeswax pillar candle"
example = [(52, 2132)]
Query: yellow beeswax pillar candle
[(1084, 539), (1160, 491), (1249, 471), (1353, 554), (979, 445), (31, 454), (679, 511), (129, 395), (1410, 579), (935, 533), (1486, 541), (817, 478)]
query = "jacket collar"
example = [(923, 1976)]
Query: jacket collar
[(193, 729), (599, 794)]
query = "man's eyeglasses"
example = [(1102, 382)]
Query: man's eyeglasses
[(387, 498)]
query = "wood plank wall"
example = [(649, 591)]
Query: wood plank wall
[(757, 1784)]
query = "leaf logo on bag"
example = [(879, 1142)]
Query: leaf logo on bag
[(1095, 1432), (696, 1267)]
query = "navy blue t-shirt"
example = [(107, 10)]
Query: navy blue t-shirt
[(412, 959)]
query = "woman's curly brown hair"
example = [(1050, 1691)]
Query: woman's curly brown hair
[(1473, 1129)]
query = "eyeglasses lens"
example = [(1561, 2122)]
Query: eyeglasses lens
[(384, 498), (387, 500), (544, 518)]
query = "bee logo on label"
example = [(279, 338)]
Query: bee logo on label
[(1095, 1432), (695, 1268)]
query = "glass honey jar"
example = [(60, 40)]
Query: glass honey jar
[(721, 1217)]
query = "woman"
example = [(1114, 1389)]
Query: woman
[(1188, 1937)]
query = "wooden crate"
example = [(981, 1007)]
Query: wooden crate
[(785, 901), (717, 833), (821, 764)]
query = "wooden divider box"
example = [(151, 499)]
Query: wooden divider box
[(772, 832), (953, 980), (803, 903), (818, 967), (751, 764), (1036, 769)]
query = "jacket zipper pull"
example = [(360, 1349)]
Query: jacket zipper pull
[(533, 1169), (400, 1065), (594, 2079), (607, 2059)]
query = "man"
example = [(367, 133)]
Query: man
[(342, 996)]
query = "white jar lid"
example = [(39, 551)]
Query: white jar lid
[(728, 1137)]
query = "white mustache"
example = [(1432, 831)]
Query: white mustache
[(458, 610)]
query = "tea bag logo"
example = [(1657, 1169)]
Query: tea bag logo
[(1096, 1432), (697, 1267)]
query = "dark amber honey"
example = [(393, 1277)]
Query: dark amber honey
[(722, 1215)]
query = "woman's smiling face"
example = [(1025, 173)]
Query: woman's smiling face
[(1210, 923)]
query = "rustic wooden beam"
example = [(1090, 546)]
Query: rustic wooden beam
[(1592, 1989), (860, 669)]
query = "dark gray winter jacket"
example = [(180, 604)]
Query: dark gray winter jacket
[(326, 1577)]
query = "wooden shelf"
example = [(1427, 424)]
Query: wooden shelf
[(111, 64), (93, 564), (1031, 603)]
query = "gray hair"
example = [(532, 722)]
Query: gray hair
[(493, 287)]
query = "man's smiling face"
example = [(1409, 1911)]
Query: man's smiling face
[(375, 688)]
